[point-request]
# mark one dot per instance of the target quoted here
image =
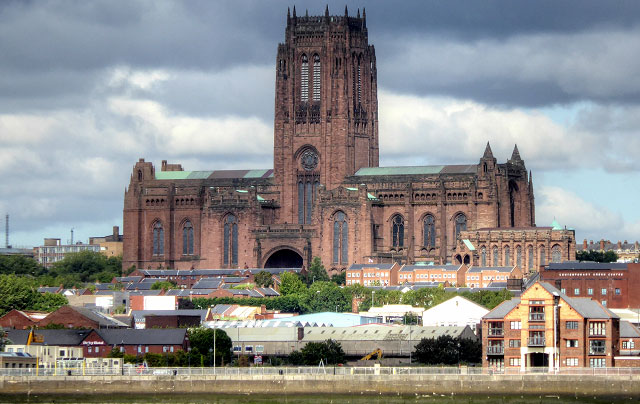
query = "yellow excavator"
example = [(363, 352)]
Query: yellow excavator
[(376, 352)]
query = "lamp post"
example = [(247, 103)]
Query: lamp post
[(215, 331), (210, 350), (373, 292)]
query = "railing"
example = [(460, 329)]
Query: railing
[(536, 316), (496, 332), (312, 370), (536, 341), (597, 350), (495, 350)]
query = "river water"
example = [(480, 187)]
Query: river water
[(304, 399)]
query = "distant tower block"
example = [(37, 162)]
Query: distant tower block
[(6, 231)]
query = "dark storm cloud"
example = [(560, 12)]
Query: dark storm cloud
[(77, 39)]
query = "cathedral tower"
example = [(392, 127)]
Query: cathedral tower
[(326, 108)]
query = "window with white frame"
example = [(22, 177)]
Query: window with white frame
[(572, 362), (514, 361), (597, 362), (628, 344), (516, 325)]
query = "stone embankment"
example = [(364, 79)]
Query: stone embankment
[(531, 384)]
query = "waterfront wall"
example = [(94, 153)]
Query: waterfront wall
[(565, 385)]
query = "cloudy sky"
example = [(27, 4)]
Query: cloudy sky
[(88, 87)]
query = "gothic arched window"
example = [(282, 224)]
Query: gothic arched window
[(429, 231), (461, 224), (340, 239), (530, 264), (316, 77), (507, 258), (519, 257), (556, 253), (158, 239), (231, 240), (397, 231), (483, 257), (187, 238), (496, 262), (304, 79), (542, 256)]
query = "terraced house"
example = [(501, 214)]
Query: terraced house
[(546, 328)]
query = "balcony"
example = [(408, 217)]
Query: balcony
[(536, 316), (495, 350), (496, 332), (536, 341)]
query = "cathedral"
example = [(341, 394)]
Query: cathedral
[(326, 195)]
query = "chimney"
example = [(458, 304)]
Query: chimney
[(116, 233), (619, 245), (558, 284), (601, 244), (584, 244)]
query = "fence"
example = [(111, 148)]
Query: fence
[(286, 371)]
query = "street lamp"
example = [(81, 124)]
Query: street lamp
[(372, 293), (214, 349), (210, 350)]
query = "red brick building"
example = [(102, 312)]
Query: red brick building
[(546, 328), (80, 317), (326, 195), (612, 284), (21, 320)]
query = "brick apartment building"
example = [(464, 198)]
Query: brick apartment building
[(373, 274), (612, 284), (452, 275), (481, 277), (546, 328), (326, 195)]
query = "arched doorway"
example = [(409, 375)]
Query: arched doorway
[(285, 258)]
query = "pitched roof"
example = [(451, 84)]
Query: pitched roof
[(502, 309), (586, 265), (370, 266), (102, 319), (207, 283), (497, 269), (61, 337), (628, 330), (152, 336), (416, 170), (410, 268), (586, 307), (139, 315)]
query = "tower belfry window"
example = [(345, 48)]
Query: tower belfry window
[(316, 78), (359, 83), (304, 79)]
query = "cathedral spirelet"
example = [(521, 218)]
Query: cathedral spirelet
[(326, 195)]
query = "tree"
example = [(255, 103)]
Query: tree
[(20, 265), (330, 352), (597, 256), (17, 293), (290, 284), (49, 302), (201, 340), (264, 279), (339, 279), (447, 350), (164, 285), (317, 272), (3, 339), (326, 296)]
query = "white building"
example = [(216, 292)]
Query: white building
[(456, 311), (393, 313)]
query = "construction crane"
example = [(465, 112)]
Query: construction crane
[(376, 352)]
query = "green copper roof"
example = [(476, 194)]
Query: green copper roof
[(555, 225), (409, 170), (469, 245), (172, 175)]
